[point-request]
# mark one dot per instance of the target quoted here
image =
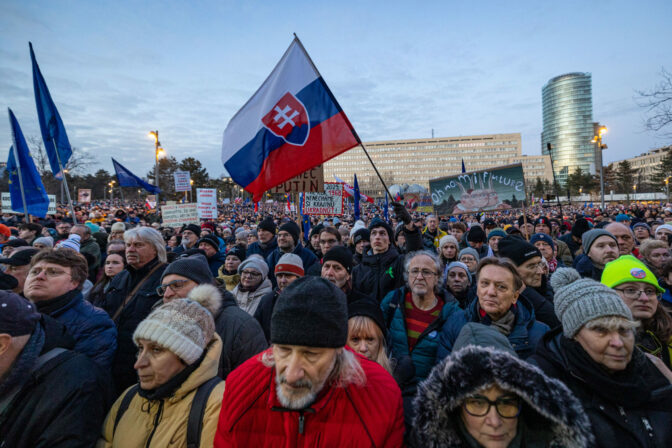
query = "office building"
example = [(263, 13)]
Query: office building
[(568, 124), (416, 161)]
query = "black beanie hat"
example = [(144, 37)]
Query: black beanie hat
[(367, 308), (517, 249), (377, 222), (542, 220), (361, 235), (267, 224), (523, 218), (580, 227), (18, 316), (341, 255), (211, 240), (237, 251), (310, 312), (293, 229), (194, 267), (316, 230), (194, 228), (476, 234)]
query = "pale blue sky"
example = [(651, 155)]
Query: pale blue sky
[(117, 70)]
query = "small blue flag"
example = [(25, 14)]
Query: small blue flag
[(51, 124), (128, 179), (386, 210), (356, 199), (23, 174), (305, 219), (464, 170)]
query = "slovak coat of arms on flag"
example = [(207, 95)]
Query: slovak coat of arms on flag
[(288, 120)]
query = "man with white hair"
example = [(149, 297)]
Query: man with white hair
[(131, 295), (309, 388)]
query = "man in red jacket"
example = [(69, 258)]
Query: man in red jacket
[(308, 389)]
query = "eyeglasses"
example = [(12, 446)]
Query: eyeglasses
[(250, 274), (534, 267), (426, 273), (49, 272), (635, 293), (479, 406), (175, 285)]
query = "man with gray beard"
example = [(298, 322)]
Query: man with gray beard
[(309, 389)]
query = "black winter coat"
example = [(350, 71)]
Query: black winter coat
[(255, 248), (63, 403), (543, 308), (135, 311), (614, 425), (379, 274), (242, 336), (264, 311)]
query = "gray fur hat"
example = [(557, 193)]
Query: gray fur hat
[(473, 368), (579, 300)]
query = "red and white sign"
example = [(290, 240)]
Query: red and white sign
[(206, 199), (328, 203)]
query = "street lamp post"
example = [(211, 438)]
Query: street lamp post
[(598, 140), (157, 151), (634, 194)]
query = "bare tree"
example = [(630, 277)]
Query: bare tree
[(79, 161), (658, 103)]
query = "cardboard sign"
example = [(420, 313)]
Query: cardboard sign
[(84, 196), (179, 214), (500, 188), (7, 204), (328, 203), (182, 180), (207, 203), (309, 181)]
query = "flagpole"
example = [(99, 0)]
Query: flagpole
[(352, 128), (23, 193), (65, 182)]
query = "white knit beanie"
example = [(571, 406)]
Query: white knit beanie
[(182, 326), (72, 242)]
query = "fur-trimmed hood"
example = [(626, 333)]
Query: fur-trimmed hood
[(208, 296), (556, 409)]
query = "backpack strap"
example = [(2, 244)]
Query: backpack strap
[(197, 412), (123, 406), (392, 307)]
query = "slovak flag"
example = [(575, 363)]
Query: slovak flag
[(290, 125)]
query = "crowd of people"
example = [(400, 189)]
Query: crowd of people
[(548, 328)]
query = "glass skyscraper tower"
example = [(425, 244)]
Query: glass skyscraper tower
[(568, 124)]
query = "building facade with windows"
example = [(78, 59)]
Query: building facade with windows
[(416, 161), (567, 108), (646, 163)]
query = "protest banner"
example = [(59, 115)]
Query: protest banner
[(308, 181), (328, 203), (499, 188), (179, 214), (84, 195), (7, 204), (182, 180), (207, 203)]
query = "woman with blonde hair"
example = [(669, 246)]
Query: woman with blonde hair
[(366, 336), (655, 254)]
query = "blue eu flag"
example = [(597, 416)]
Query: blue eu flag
[(23, 175)]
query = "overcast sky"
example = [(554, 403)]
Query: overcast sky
[(117, 70)]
